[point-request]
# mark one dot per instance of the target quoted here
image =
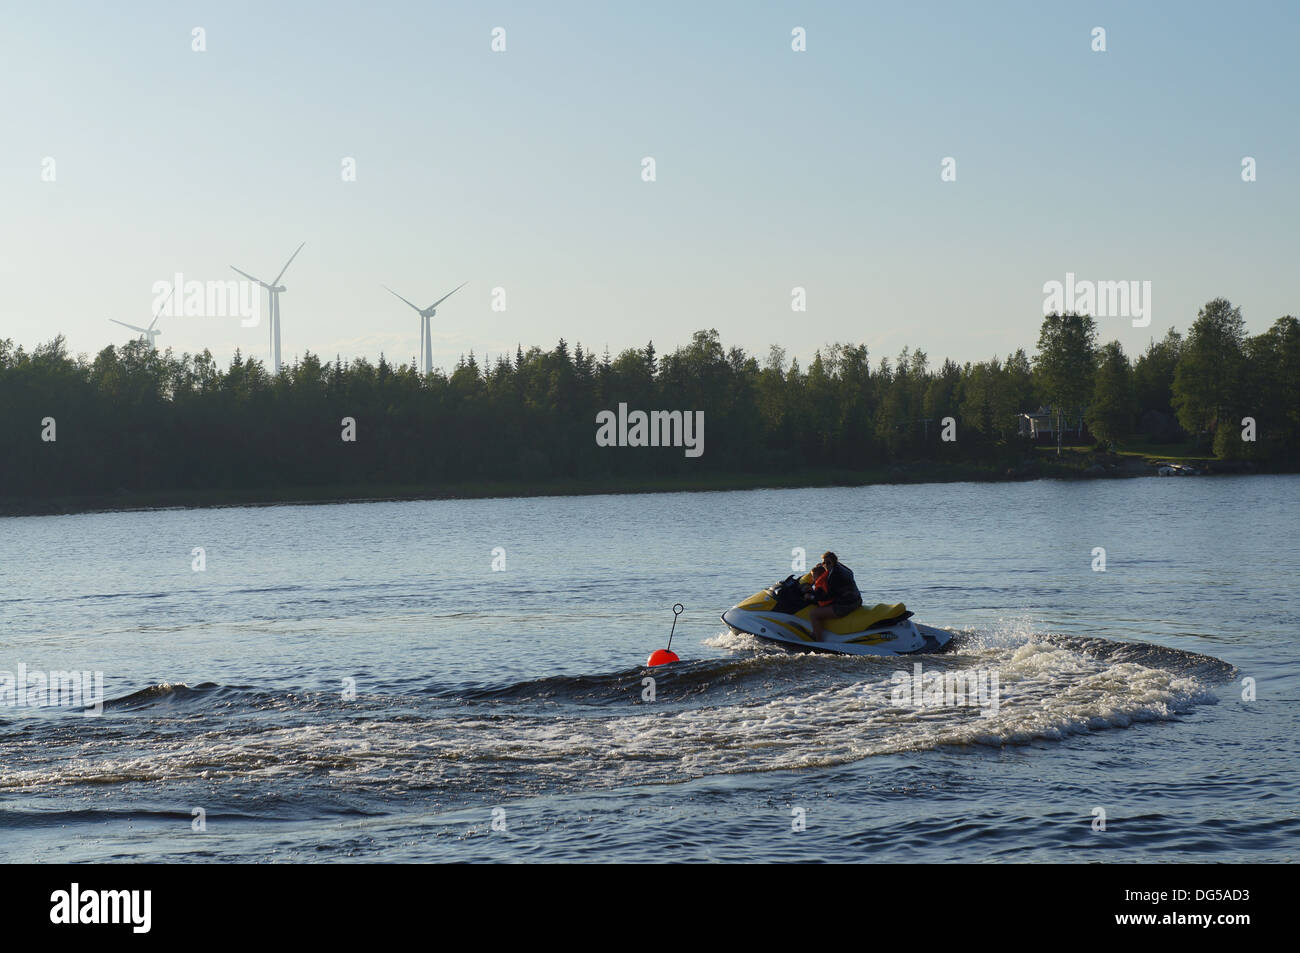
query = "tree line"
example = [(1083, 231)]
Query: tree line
[(138, 420)]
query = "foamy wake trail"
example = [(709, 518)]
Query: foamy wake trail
[(761, 719)]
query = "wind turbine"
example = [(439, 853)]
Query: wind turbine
[(149, 333), (273, 290), (426, 328)]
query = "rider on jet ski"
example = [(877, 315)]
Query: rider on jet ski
[(836, 592)]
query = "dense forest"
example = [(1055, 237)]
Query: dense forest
[(137, 420)]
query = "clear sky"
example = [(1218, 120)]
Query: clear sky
[(522, 169)]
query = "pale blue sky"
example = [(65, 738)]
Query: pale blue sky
[(522, 169)]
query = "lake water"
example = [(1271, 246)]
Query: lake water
[(499, 714)]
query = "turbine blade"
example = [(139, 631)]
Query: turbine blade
[(162, 307), (287, 264), (447, 295), (248, 276), (396, 295), (131, 326)]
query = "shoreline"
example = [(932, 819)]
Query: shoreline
[(1076, 463)]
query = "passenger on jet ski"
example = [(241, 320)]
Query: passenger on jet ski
[(817, 590), (842, 590)]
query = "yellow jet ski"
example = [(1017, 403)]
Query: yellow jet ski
[(782, 613)]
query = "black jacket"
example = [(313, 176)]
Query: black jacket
[(843, 587)]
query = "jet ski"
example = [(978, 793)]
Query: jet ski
[(782, 613)]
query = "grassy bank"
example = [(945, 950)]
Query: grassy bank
[(889, 473), (1074, 462)]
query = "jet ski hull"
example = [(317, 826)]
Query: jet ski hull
[(881, 630)]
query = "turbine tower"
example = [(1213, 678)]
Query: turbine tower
[(273, 291), (149, 334), (426, 328)]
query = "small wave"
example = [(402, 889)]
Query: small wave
[(1150, 654), (117, 595), (164, 693), (765, 668), (17, 819)]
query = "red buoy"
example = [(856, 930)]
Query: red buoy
[(664, 656)]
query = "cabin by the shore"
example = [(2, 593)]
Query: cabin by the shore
[(1040, 426)]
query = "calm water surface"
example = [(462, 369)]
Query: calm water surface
[(517, 694)]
